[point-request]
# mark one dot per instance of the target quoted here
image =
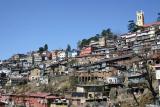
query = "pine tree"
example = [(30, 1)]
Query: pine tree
[(158, 18), (45, 47)]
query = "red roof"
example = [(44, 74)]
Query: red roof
[(151, 24), (39, 94), (44, 95), (35, 95), (51, 97)]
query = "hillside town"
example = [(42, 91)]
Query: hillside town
[(109, 71)]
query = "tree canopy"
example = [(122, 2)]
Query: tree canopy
[(68, 49), (158, 18), (105, 33), (42, 49), (132, 27), (45, 47)]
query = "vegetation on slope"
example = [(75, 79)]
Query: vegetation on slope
[(105, 33)]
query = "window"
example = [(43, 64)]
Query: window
[(110, 80), (157, 68)]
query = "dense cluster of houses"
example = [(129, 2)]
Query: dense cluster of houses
[(115, 63), (99, 67), (33, 100)]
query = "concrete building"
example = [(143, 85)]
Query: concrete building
[(73, 53), (102, 41), (113, 80), (35, 74), (61, 55), (37, 58), (17, 57), (86, 93), (54, 56)]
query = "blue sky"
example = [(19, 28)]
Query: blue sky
[(25, 25)]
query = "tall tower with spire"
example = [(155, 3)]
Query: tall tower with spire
[(140, 18)]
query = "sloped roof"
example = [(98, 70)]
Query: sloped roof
[(151, 24), (39, 94)]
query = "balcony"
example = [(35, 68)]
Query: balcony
[(143, 38)]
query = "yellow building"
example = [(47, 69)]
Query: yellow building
[(35, 74)]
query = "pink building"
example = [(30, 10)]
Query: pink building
[(86, 51)]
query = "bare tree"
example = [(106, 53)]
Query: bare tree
[(148, 75), (146, 69)]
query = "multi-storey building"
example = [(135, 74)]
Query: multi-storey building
[(73, 53), (86, 51), (54, 56), (61, 55), (37, 58)]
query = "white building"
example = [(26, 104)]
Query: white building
[(113, 80), (61, 55), (5, 70)]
